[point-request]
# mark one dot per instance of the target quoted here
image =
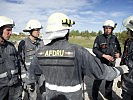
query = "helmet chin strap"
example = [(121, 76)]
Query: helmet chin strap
[(2, 41), (34, 36), (1, 32)]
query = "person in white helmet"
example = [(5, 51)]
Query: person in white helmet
[(107, 48), (127, 58), (64, 64), (27, 49), (10, 84)]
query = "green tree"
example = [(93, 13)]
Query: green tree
[(74, 33), (99, 32), (123, 36)]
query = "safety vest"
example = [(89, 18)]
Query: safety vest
[(107, 45), (8, 64), (59, 69), (29, 51)]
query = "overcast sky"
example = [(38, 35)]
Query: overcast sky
[(88, 14)]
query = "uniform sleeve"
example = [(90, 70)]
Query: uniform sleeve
[(96, 48), (124, 54), (118, 46), (93, 68), (34, 70)]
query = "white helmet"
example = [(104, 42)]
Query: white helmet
[(58, 21), (109, 23), (57, 26), (128, 23), (32, 24), (6, 21)]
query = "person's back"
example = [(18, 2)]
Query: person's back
[(61, 69)]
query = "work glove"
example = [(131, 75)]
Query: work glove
[(124, 68), (32, 87)]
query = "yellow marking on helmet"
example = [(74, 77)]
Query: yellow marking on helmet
[(115, 25), (68, 22), (131, 22)]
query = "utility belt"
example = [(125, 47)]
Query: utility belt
[(27, 79), (65, 89), (5, 74)]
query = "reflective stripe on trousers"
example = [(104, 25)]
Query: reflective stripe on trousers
[(2, 75), (27, 63), (65, 89), (24, 75)]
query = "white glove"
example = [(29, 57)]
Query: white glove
[(125, 68)]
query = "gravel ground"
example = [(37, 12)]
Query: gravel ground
[(88, 86)]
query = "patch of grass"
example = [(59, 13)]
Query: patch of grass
[(82, 41), (16, 37), (85, 42)]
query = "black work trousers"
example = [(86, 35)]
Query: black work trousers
[(126, 96), (11, 92), (108, 89)]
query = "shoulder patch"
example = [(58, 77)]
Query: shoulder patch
[(29, 50), (57, 53)]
